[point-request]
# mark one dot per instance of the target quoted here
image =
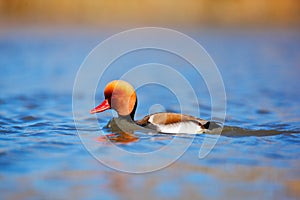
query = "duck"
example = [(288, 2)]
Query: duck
[(120, 96)]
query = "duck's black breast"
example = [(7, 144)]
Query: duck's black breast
[(123, 124)]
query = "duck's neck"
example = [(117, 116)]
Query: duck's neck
[(126, 118), (130, 117), (133, 111)]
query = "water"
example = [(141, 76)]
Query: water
[(41, 155)]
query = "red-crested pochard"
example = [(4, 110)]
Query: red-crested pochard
[(121, 96)]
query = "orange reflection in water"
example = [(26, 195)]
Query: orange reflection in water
[(120, 137)]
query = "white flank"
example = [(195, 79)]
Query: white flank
[(180, 127)]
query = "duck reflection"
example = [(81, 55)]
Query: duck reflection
[(119, 137)]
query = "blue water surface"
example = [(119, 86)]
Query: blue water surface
[(256, 157)]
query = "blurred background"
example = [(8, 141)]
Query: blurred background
[(189, 13), (256, 46)]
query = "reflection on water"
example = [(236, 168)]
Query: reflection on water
[(257, 155)]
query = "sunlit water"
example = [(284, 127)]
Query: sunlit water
[(257, 156)]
